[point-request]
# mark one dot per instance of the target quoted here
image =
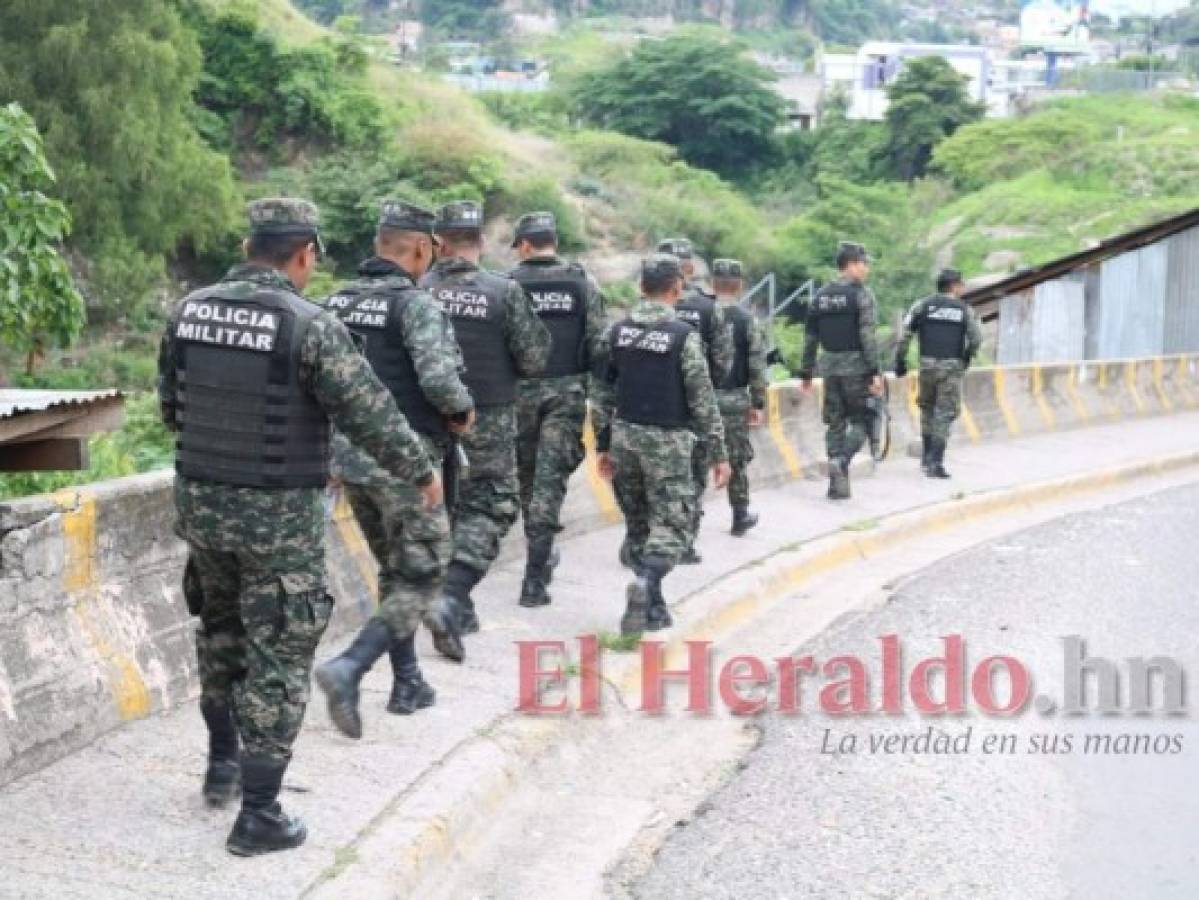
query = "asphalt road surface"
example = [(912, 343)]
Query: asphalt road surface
[(1025, 806)]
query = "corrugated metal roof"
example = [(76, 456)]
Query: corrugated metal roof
[(984, 298), (15, 402)]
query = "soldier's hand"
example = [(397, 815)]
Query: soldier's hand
[(755, 418), (463, 424), (876, 386), (433, 493), (721, 473), (805, 387), (603, 462)]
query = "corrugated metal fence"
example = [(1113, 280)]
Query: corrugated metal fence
[(1141, 303)]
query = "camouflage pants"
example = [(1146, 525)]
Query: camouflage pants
[(487, 500), (260, 624), (411, 545), (699, 484), (259, 559), (654, 487), (550, 413), (940, 401), (847, 414), (734, 407)]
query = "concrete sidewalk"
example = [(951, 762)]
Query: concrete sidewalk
[(123, 818)]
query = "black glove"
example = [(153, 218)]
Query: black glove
[(901, 366), (968, 359)]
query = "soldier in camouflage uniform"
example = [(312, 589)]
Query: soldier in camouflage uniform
[(411, 347), (250, 375), (551, 409), (502, 340), (699, 309), (655, 396), (949, 337), (840, 322), (742, 395)]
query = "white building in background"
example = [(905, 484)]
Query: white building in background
[(863, 77)]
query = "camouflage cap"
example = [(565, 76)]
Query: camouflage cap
[(535, 223), (727, 268), (848, 252), (461, 215), (660, 266), (283, 216), (680, 247), (404, 216)]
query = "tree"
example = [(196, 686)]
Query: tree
[(110, 83), (698, 93), (38, 301), (472, 19), (928, 103)]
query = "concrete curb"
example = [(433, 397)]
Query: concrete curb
[(445, 812)]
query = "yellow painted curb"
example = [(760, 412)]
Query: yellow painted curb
[(437, 842), (1009, 418), (774, 420), (1080, 408), (600, 489), (1130, 385), (1159, 387), (1038, 393)]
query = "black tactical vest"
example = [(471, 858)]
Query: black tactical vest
[(559, 294), (372, 309), (649, 368), (835, 308), (242, 417), (475, 302), (741, 323), (943, 328), (698, 310)]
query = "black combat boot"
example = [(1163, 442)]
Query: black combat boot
[(551, 565), (646, 608), (637, 600), (443, 619), (222, 781), (936, 468), (926, 456), (262, 826), (658, 617), (743, 520), (460, 580), (409, 690), (628, 558), (838, 479), (339, 677), (532, 591)]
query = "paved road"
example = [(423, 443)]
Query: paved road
[(797, 822)]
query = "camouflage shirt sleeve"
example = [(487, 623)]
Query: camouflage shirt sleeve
[(722, 351), (811, 344), (867, 324), (526, 335), (756, 360), (596, 327), (908, 330), (435, 355), (166, 377), (603, 393), (347, 389), (974, 335), (701, 398)]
